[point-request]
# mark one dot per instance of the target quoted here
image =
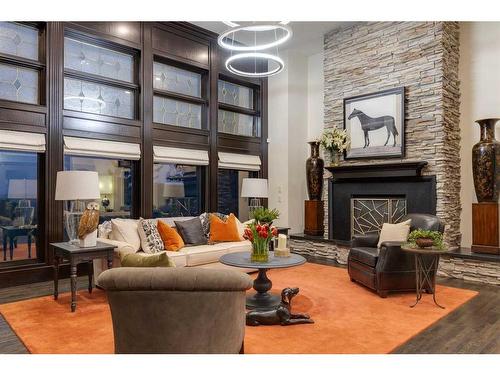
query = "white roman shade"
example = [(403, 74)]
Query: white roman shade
[(240, 162), (22, 141), (180, 156), (101, 148)]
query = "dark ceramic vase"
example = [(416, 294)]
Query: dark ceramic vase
[(314, 171), (486, 163)]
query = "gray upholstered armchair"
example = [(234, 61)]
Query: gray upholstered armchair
[(176, 310)]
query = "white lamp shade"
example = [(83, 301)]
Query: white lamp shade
[(77, 185), (254, 188), (106, 184), (22, 189), (174, 190)]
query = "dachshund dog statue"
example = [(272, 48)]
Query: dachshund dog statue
[(281, 314)]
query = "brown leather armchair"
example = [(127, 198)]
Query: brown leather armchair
[(388, 269), (176, 310)]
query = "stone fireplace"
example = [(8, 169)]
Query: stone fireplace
[(422, 57)]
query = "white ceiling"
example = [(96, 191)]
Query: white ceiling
[(307, 36)]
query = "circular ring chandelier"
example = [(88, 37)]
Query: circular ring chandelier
[(254, 50), (254, 55), (287, 34)]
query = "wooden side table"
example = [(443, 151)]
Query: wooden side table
[(76, 255), (424, 272)]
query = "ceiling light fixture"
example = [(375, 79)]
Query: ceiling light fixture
[(248, 43), (229, 45), (254, 55)]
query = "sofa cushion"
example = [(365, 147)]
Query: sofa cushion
[(151, 241), (191, 231), (125, 230), (205, 221), (198, 255), (149, 260), (365, 255), (224, 230), (394, 232), (172, 241), (178, 257)]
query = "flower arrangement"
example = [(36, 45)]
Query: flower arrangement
[(260, 236), (426, 238), (335, 141)]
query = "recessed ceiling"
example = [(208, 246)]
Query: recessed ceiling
[(307, 36)]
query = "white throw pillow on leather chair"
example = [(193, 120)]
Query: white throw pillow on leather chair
[(394, 232)]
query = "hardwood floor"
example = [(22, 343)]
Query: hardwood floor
[(472, 328)]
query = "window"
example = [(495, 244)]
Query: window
[(20, 67), (115, 183), (179, 97), (177, 190), (228, 192), (18, 205), (238, 110), (99, 80)]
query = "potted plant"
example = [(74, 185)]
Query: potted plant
[(335, 141), (426, 238), (263, 215), (260, 235)]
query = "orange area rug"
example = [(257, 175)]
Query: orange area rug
[(348, 318)]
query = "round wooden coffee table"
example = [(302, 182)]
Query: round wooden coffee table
[(262, 299), (424, 272)]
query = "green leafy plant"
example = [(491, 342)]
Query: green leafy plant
[(437, 237), (265, 215)]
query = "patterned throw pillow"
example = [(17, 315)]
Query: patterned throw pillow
[(205, 221), (151, 241)]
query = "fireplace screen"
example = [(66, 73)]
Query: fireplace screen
[(368, 214)]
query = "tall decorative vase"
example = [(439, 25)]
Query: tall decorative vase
[(486, 163), (314, 171)]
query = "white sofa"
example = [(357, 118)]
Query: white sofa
[(204, 256)]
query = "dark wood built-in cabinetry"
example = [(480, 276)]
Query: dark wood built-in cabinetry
[(177, 44)]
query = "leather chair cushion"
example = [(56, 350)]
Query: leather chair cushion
[(365, 255)]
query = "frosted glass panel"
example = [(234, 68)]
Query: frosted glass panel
[(88, 58), (97, 98), (170, 78), (175, 112), (19, 40), (237, 95), (18, 84), (235, 123)]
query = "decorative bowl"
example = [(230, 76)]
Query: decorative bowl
[(424, 242)]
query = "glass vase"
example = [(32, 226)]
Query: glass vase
[(260, 252), (334, 159)]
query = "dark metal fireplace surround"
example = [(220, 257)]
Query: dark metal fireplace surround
[(388, 180)]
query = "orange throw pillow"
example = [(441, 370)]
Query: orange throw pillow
[(224, 231), (172, 241)]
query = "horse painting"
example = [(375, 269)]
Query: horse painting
[(369, 124)]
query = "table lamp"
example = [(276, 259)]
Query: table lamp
[(76, 186), (254, 188)]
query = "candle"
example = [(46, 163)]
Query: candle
[(281, 241)]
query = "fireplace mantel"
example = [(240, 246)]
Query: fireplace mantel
[(402, 169)]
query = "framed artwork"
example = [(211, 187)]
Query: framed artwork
[(375, 124)]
